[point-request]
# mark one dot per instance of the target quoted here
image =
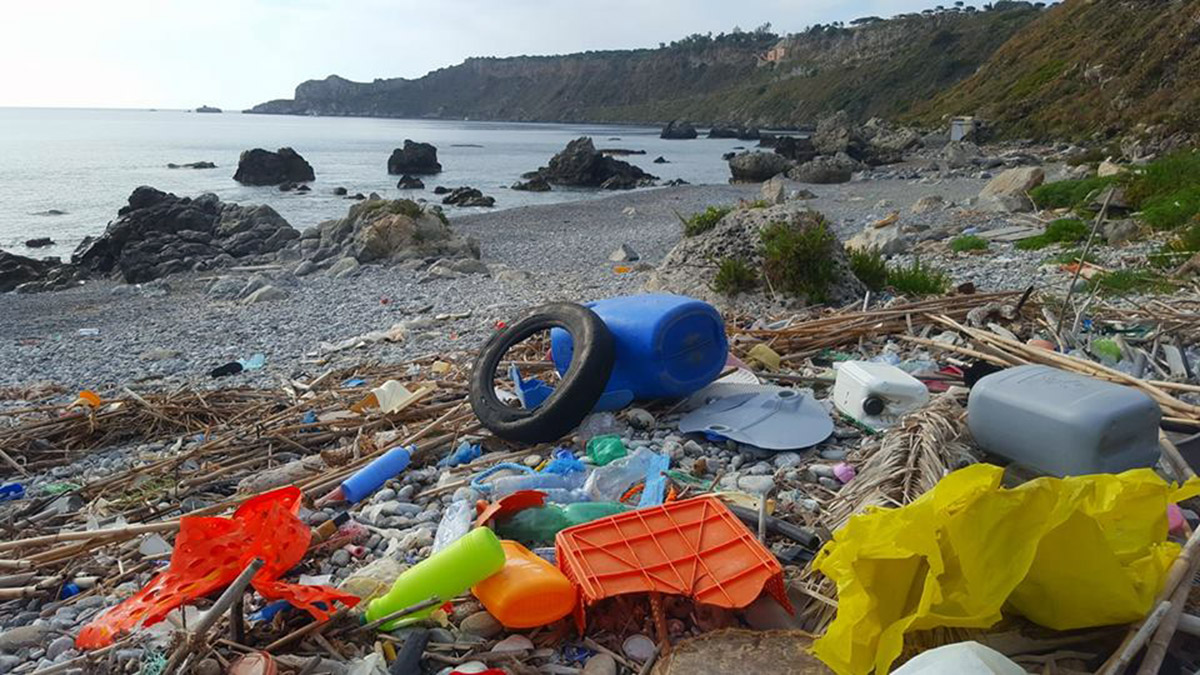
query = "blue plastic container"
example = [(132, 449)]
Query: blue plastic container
[(668, 346), (369, 478)]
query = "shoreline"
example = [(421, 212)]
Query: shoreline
[(154, 340)]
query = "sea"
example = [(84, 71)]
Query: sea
[(64, 173)]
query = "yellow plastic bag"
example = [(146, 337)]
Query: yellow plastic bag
[(1065, 553)]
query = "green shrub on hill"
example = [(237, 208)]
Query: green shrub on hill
[(797, 256), (1061, 231), (699, 223)]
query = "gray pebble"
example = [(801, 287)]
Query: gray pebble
[(600, 664), (481, 624), (833, 454), (639, 419), (831, 483), (787, 460), (384, 495), (340, 557), (756, 484)]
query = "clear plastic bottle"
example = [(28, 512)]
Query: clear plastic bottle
[(456, 522), (608, 483)]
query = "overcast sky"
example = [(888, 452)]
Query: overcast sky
[(235, 53)]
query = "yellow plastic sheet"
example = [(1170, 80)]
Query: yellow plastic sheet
[(1065, 553)]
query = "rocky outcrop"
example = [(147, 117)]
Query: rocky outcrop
[(837, 133), (824, 170), (678, 130), (39, 242), (742, 133), (414, 158), (157, 234), (468, 196), (192, 165), (581, 165), (755, 167), (16, 270), (208, 109), (795, 148), (1009, 192), (263, 167), (381, 230), (535, 184), (408, 182), (691, 267)]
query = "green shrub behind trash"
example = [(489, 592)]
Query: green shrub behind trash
[(918, 279), (1173, 210), (699, 223), (870, 268), (1180, 248), (1068, 194), (1061, 231), (968, 242), (797, 256), (1125, 282), (734, 276)]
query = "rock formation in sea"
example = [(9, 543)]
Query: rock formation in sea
[(581, 165), (415, 159), (263, 167), (678, 130)]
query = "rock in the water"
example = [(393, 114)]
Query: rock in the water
[(1009, 192), (928, 204), (468, 196), (535, 184), (773, 192), (408, 182), (756, 167), (678, 130), (481, 624), (825, 170), (265, 294), (158, 234), (263, 167), (661, 160), (379, 230), (738, 236), (192, 165), (580, 165), (624, 253), (340, 191), (414, 158), (40, 242)]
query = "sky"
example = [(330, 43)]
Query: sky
[(235, 53)]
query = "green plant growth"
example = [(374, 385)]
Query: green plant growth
[(918, 279), (1172, 211), (1061, 231), (870, 268), (1124, 282), (968, 242), (699, 223), (1071, 256), (1180, 248), (1068, 194), (1164, 177), (757, 204), (797, 256), (734, 276)]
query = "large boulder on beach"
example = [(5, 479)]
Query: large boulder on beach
[(837, 133), (263, 167), (795, 148), (18, 269), (678, 130), (1009, 192), (691, 267), (756, 167), (414, 159), (825, 170), (387, 231), (580, 165), (158, 233)]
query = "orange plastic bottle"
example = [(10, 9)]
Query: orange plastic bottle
[(527, 592)]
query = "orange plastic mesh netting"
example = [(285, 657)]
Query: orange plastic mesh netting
[(210, 553)]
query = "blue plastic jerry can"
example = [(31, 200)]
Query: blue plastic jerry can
[(667, 346)]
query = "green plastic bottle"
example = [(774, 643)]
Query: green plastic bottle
[(445, 574), (606, 448), (538, 525)]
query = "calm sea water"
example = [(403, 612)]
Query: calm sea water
[(86, 162)]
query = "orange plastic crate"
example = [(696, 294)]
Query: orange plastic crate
[(695, 547)]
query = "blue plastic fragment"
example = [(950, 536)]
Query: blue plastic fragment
[(465, 453), (310, 417), (70, 588), (268, 613), (12, 492), (563, 462), (532, 392), (656, 481), (354, 382)]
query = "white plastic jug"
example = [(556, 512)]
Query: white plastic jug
[(876, 394)]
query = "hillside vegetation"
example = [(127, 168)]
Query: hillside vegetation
[(879, 67), (1088, 67)]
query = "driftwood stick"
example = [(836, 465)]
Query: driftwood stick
[(1156, 651), (305, 630), (210, 618), (424, 604)]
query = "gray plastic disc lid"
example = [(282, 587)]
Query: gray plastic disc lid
[(774, 419)]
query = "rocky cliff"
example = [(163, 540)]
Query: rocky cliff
[(1089, 68), (876, 68)]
